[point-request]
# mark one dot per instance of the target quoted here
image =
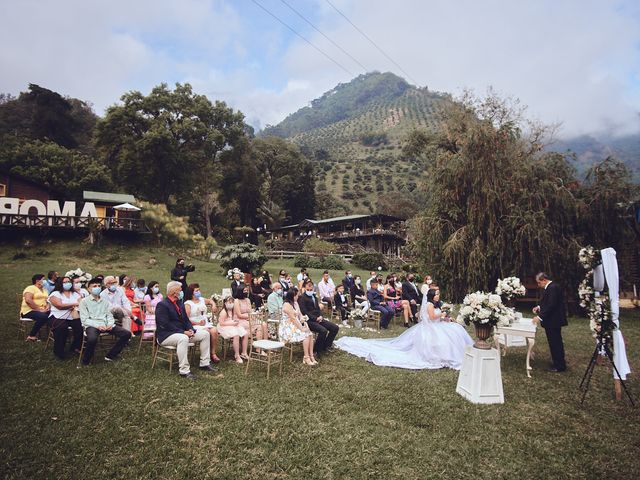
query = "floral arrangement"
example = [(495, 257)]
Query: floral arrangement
[(446, 308), (586, 292), (216, 297), (589, 257), (357, 314), (598, 308), (510, 287), (483, 308), (84, 277)]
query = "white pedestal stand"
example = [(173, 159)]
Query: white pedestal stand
[(480, 379)]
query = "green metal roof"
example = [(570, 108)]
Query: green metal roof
[(106, 197), (340, 219)]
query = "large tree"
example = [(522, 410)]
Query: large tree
[(162, 146)]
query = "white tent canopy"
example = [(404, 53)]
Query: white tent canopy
[(127, 207)]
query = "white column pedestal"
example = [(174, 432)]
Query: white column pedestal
[(480, 379)]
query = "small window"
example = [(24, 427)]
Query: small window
[(3, 190)]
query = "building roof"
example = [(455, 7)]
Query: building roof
[(106, 197), (307, 222)]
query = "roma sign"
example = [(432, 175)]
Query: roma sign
[(12, 206)]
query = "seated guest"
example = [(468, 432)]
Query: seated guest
[(326, 330), (293, 329), (326, 289), (50, 283), (151, 300), (64, 303), (257, 295), (376, 302), (79, 289), (241, 312), (393, 298), (118, 301), (236, 282), (35, 306), (196, 307), (139, 291), (229, 327), (347, 281), (358, 295), (372, 275), (173, 328), (275, 301), (287, 278), (341, 304), (426, 285), (282, 278), (96, 318), (128, 285), (302, 275), (265, 282), (411, 294)]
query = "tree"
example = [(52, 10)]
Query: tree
[(497, 204), (159, 144)]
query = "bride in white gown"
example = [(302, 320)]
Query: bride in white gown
[(433, 343)]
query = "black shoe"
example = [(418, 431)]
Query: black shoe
[(188, 376), (556, 370), (406, 325), (209, 368), (109, 359)]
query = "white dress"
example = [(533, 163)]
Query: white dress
[(198, 314), (430, 344)]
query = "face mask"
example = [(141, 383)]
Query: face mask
[(309, 294), (156, 290), (198, 295), (181, 264), (67, 285), (229, 306), (95, 291), (279, 292), (429, 282), (350, 275), (181, 295), (77, 286), (113, 288), (358, 282), (142, 289), (411, 279)]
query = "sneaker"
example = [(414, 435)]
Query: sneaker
[(188, 376), (209, 368)]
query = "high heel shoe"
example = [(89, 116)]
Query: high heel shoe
[(239, 360), (313, 361), (307, 361)]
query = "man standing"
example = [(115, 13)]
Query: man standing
[(552, 316), (174, 329), (376, 302), (237, 281), (347, 281), (325, 329), (275, 302), (326, 289), (96, 318), (411, 293)]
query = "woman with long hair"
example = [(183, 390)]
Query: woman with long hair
[(293, 328)]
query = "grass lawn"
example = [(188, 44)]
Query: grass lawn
[(343, 419)]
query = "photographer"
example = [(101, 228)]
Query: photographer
[(179, 273)]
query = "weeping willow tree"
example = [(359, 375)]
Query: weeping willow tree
[(498, 205)]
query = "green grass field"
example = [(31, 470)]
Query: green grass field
[(343, 419)]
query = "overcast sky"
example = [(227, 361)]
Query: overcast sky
[(571, 61)]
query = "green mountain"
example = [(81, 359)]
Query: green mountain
[(355, 132)]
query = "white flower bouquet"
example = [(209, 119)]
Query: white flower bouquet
[(84, 277), (357, 316), (589, 257), (510, 287), (483, 308)]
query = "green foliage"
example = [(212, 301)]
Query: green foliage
[(245, 256), (203, 247), (166, 228), (370, 261), (329, 262), (374, 139), (315, 245)]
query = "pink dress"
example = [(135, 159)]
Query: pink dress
[(150, 315)]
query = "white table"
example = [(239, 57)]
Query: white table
[(524, 328)]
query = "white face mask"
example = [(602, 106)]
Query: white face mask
[(229, 306), (429, 282)]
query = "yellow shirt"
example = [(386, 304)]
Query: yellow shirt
[(39, 298)]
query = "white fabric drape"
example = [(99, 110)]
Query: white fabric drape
[(598, 278), (610, 267)]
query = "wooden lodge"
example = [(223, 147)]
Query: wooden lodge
[(25, 204), (381, 233)]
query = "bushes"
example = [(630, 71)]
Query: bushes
[(245, 256), (315, 245), (370, 261), (330, 262)]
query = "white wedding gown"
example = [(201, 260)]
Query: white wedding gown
[(431, 344)]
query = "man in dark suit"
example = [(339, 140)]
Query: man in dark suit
[(376, 301), (341, 304), (174, 329), (411, 294), (552, 316), (347, 281), (237, 281), (325, 329)]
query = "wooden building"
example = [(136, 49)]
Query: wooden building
[(17, 186), (381, 233)]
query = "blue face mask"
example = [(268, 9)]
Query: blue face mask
[(197, 295), (96, 291), (156, 290), (67, 285), (181, 295), (310, 294), (113, 288), (279, 292)]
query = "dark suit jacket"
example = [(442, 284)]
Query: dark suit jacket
[(309, 306), (375, 298), (169, 322), (234, 287), (357, 291), (348, 284), (410, 292), (552, 308), (338, 302)]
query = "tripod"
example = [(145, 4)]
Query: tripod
[(602, 348)]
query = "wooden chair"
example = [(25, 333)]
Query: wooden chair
[(24, 324), (148, 331), (165, 353), (272, 349), (102, 345), (374, 316)]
